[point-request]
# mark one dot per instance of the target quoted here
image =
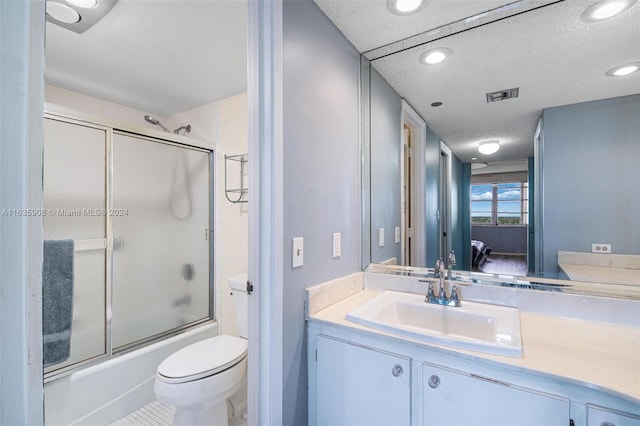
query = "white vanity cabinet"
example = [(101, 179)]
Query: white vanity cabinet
[(454, 398), (600, 416), (357, 385)]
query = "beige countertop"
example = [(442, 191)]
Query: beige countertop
[(594, 353), (601, 274)]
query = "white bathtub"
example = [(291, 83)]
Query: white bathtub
[(101, 394)]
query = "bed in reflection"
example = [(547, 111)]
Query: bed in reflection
[(479, 253)]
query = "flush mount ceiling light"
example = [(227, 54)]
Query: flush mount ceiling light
[(435, 56), (405, 7), (85, 4), (62, 13), (606, 9), (80, 14), (476, 166), (622, 70), (488, 147)]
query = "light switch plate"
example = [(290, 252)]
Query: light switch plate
[(381, 237), (337, 245), (297, 252), (397, 235)]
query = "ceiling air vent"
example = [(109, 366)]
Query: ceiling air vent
[(501, 95)]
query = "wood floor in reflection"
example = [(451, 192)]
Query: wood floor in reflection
[(505, 264)]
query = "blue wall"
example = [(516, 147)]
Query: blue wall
[(591, 177), (460, 214), (321, 175), (385, 167)]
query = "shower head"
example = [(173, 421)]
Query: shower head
[(186, 129), (152, 120)]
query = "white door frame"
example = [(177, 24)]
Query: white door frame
[(22, 26), (418, 129), (264, 74), (21, 387)]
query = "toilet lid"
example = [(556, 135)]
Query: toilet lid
[(203, 359)]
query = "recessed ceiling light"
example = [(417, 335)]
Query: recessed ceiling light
[(475, 166), (436, 104), (62, 12), (623, 70), (605, 9), (85, 4), (404, 7), (488, 147), (435, 56)]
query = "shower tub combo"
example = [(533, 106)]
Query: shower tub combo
[(138, 205)]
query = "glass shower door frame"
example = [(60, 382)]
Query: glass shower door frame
[(210, 237), (110, 351)]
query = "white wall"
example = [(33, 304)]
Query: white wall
[(222, 123)]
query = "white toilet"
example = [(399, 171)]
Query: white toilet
[(202, 379)]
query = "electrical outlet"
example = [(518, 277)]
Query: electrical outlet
[(601, 248), (381, 237), (397, 235), (337, 243), (297, 252)]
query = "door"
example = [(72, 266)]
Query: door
[(161, 222), (455, 398), (407, 205), (444, 202), (357, 385)]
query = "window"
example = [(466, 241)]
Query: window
[(500, 204)]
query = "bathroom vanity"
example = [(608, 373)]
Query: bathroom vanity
[(578, 369)]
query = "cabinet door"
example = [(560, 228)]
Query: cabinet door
[(456, 398), (598, 416), (361, 386)]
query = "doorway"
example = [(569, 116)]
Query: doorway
[(444, 200)]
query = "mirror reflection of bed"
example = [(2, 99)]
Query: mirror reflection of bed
[(499, 217)]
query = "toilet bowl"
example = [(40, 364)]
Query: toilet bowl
[(203, 379), (199, 379)]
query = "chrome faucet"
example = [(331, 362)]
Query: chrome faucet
[(439, 267), (452, 262), (442, 298)]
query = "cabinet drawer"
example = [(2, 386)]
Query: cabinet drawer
[(456, 398), (600, 416)]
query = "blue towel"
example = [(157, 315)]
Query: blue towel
[(57, 300)]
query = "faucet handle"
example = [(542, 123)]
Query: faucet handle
[(454, 296), (439, 268), (430, 293), (452, 258)]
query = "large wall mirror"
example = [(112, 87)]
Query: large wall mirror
[(559, 202)]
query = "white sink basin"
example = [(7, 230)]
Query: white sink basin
[(475, 326)]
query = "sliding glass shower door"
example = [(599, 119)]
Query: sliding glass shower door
[(139, 211), (160, 237)]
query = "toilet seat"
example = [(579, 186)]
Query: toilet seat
[(202, 359)]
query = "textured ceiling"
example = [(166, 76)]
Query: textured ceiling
[(369, 24), (550, 54), (163, 57)]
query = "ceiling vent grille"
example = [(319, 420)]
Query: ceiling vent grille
[(501, 95)]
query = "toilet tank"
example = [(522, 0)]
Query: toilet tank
[(238, 285)]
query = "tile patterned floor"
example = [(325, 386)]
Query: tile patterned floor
[(158, 414), (152, 414)]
